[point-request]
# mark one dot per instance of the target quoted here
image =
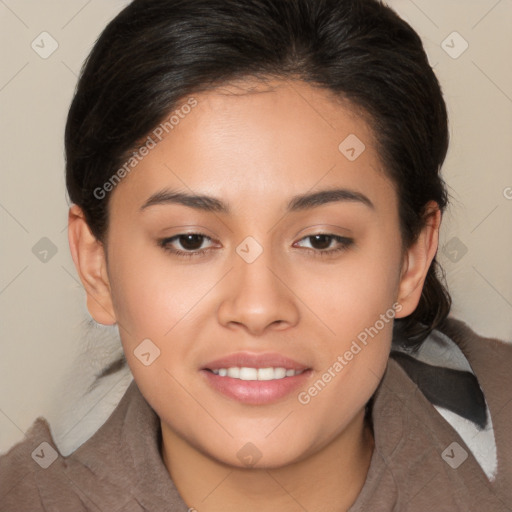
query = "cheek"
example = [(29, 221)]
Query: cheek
[(151, 294), (344, 385), (158, 300), (354, 351), (350, 295), (354, 301), (153, 301)]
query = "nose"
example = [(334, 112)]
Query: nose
[(258, 297)]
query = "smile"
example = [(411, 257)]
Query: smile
[(247, 373)]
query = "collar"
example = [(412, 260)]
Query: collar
[(444, 375), (419, 461), (118, 468)]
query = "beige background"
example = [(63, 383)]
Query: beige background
[(51, 350)]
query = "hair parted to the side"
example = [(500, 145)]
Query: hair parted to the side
[(156, 53)]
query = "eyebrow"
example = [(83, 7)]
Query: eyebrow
[(297, 203)]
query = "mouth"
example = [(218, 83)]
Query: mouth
[(255, 379), (248, 373)]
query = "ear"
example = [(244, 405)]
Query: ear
[(417, 260), (89, 257)]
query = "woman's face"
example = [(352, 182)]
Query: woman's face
[(279, 273)]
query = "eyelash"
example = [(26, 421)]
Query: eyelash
[(344, 242)]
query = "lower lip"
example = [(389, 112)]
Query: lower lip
[(256, 392)]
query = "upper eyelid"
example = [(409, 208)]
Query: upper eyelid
[(326, 233)]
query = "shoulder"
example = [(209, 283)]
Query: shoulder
[(467, 378), (441, 419), (36, 476), (491, 361), (21, 465), (479, 350)]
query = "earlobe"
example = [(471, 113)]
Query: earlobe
[(417, 260), (89, 257)]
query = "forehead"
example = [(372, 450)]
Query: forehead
[(262, 138)]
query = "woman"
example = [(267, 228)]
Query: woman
[(256, 205)]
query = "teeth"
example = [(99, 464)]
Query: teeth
[(279, 373), (234, 372), (246, 373), (265, 373)]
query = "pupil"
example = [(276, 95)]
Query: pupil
[(323, 238), (196, 241)]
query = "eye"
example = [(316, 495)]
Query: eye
[(190, 242), (320, 243)]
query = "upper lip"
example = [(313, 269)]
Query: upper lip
[(255, 360)]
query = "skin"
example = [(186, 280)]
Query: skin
[(254, 146)]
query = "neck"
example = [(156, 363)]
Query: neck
[(328, 480)]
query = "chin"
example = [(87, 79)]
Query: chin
[(252, 453)]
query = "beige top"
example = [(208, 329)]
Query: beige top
[(120, 467)]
